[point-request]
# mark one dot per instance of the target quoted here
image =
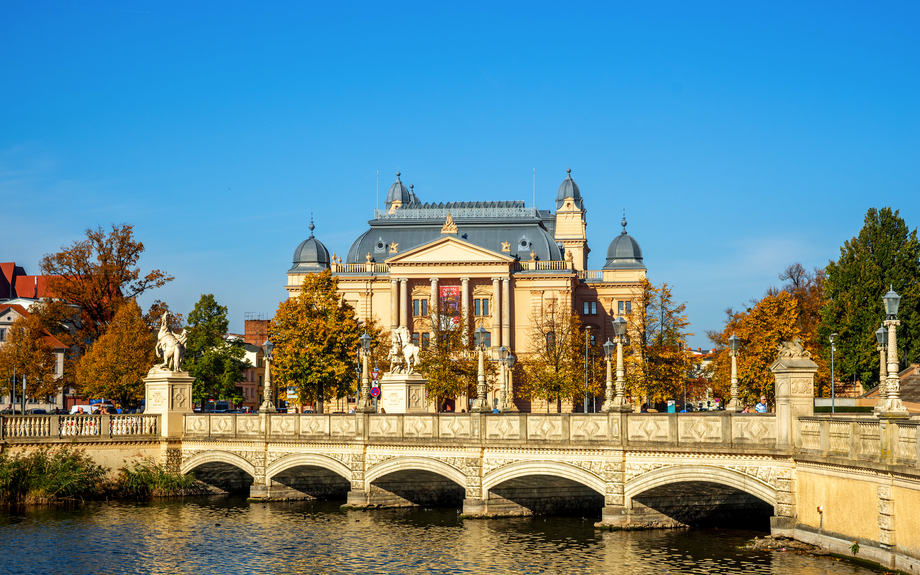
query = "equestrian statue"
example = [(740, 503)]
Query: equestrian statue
[(170, 346), (403, 351)]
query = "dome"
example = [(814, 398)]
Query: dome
[(311, 255), (568, 189), (624, 252), (398, 192)]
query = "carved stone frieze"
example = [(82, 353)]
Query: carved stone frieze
[(373, 459), (490, 465)]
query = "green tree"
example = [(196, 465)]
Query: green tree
[(316, 337), (115, 364), (450, 363), (553, 368), (27, 352), (215, 362), (886, 253)]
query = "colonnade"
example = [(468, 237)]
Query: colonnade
[(500, 308)]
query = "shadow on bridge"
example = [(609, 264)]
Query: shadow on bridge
[(223, 476), (700, 504)]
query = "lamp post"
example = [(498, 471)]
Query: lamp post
[(893, 406), (506, 399), (734, 405), (267, 405), (587, 337), (481, 402), (881, 336), (617, 403), (831, 338), (364, 402)]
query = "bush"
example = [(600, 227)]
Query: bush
[(47, 476), (147, 479)]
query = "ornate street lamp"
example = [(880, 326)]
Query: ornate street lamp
[(364, 402), (267, 405), (616, 403), (507, 397), (734, 404), (481, 404), (587, 341), (893, 406), (832, 337), (881, 336)]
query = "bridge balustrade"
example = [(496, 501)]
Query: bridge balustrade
[(861, 439), (625, 430), (26, 428)]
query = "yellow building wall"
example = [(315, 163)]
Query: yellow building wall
[(907, 519), (850, 505)]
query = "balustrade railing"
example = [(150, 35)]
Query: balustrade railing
[(29, 427), (367, 268), (591, 275), (892, 441), (550, 265)]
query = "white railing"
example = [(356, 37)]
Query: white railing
[(440, 213), (26, 427)]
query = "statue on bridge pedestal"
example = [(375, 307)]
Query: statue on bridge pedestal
[(170, 346), (403, 351)]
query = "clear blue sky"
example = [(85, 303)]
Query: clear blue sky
[(740, 137)]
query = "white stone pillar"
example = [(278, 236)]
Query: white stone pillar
[(169, 394), (465, 306), (506, 312), (433, 305), (404, 303), (496, 313)]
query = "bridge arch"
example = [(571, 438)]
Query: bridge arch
[(402, 464), (307, 460), (206, 457), (700, 473), (522, 469)]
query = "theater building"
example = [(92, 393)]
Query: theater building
[(499, 261)]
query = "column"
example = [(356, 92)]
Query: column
[(496, 313), (465, 306), (404, 303), (434, 304), (394, 303), (506, 312)]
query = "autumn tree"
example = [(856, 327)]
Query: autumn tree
[(316, 337), (658, 357), (807, 289), (885, 254), (450, 363), (761, 329), (216, 363), (552, 368), (115, 364), (28, 353)]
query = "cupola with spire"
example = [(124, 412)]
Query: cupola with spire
[(569, 189), (310, 256), (571, 225), (624, 252), (397, 195)]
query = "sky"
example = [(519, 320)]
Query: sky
[(740, 137)]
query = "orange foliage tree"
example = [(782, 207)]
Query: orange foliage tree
[(115, 364), (27, 353)]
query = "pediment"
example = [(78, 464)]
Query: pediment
[(449, 250)]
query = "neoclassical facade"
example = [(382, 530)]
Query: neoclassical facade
[(498, 262)]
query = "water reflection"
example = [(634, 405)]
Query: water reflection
[(227, 535)]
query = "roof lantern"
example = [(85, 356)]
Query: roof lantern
[(569, 189), (311, 255), (624, 251)]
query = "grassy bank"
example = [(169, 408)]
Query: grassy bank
[(68, 475)]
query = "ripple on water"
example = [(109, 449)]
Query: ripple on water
[(184, 537)]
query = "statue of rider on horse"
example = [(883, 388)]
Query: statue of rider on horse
[(170, 346), (403, 351)]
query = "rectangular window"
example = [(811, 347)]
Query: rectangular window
[(488, 338), (3, 334), (415, 340), (420, 307), (551, 341), (592, 339), (619, 308), (481, 306), (628, 307), (587, 308), (426, 341)]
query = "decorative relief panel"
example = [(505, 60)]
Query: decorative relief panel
[(384, 427), (700, 429), (634, 470), (249, 425), (454, 427), (418, 426), (342, 427), (647, 428), (869, 438), (544, 427), (810, 432), (907, 442), (763, 473), (282, 425), (373, 459), (588, 428), (507, 427), (314, 424), (839, 437), (754, 429), (802, 386), (222, 424), (490, 465), (197, 424)]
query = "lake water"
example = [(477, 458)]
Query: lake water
[(229, 535)]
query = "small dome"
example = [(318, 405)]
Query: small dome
[(568, 189), (624, 252), (311, 255), (398, 192)]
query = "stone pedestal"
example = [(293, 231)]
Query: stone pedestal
[(403, 393), (795, 390), (169, 394)]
